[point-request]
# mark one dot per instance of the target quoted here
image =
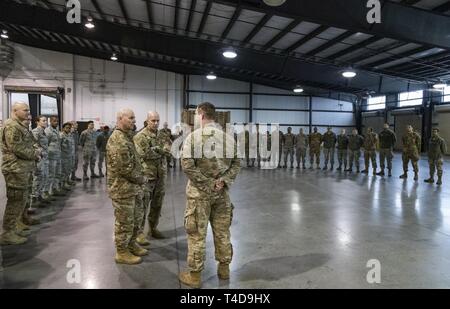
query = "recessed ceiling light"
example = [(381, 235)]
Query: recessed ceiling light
[(4, 34), (298, 89), (230, 54), (114, 57), (211, 76), (349, 73), (89, 23)]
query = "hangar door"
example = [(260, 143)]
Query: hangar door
[(403, 119), (375, 122)]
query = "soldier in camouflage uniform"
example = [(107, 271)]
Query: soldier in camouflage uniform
[(87, 141), (387, 142), (301, 144), (355, 142), (101, 142), (166, 135), (288, 147), (329, 144), (370, 151), (153, 149), (20, 154), (54, 157), (76, 140), (124, 181), (210, 175), (315, 140), (342, 146), (67, 160), (411, 149), (40, 178), (436, 151)]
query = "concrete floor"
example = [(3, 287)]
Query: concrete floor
[(291, 229)]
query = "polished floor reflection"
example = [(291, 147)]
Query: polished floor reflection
[(291, 229)]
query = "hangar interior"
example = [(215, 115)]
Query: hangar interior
[(292, 228)]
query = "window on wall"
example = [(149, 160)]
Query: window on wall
[(376, 103), (446, 95), (17, 96), (49, 106), (410, 98)]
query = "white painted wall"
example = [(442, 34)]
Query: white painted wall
[(96, 89)]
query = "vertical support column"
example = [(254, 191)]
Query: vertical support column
[(250, 112), (185, 91), (358, 116), (427, 118), (310, 114), (3, 103)]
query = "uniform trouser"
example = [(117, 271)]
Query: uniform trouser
[(354, 156), (218, 210), (148, 190), (386, 155), (157, 197), (414, 157), (40, 178), (329, 155), (89, 158), (316, 153), (370, 155), (66, 169), (101, 159), (128, 214), (17, 198), (436, 164), (342, 157), (54, 175), (300, 154), (288, 151), (75, 164)]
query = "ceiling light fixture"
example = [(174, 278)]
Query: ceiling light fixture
[(350, 73), (89, 23), (298, 89), (4, 34), (229, 53), (211, 76), (274, 2), (114, 57)]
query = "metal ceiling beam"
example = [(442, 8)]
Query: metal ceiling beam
[(375, 52), (149, 12), (306, 38), (175, 18), (280, 35), (355, 47), (191, 13), (124, 11), (424, 27), (230, 25), (257, 28), (330, 43), (399, 56), (98, 9), (204, 18), (410, 2), (423, 62)]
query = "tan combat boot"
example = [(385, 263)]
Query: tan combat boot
[(22, 226), (223, 271), (125, 257), (11, 238), (137, 250), (190, 278), (142, 240), (22, 230), (155, 233)]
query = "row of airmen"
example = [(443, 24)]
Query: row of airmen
[(349, 149)]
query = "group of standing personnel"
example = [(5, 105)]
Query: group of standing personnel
[(350, 147)]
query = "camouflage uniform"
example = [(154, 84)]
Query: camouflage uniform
[(355, 142), (387, 141), (76, 138), (67, 159), (436, 150), (342, 145), (124, 181), (370, 151), (315, 139), (150, 148), (40, 177), (87, 141), (329, 144), (166, 136), (288, 148), (101, 142), (54, 159), (301, 144), (411, 148), (280, 147), (203, 203), (19, 161)]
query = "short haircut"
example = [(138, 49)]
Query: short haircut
[(54, 117), (67, 124), (89, 122), (106, 128), (435, 129), (38, 118), (208, 110)]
